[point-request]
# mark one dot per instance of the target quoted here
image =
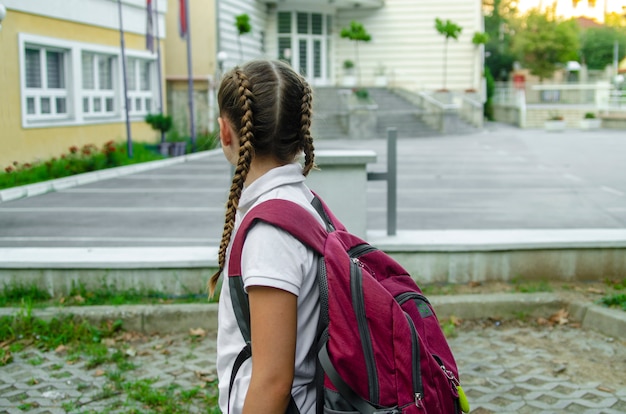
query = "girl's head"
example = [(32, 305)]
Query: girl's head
[(269, 107)]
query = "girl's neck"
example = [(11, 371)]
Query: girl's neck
[(259, 166)]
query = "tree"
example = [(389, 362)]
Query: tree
[(542, 43), (450, 31), (499, 19), (357, 33), (597, 45), (242, 23)]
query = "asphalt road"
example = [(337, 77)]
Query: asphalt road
[(500, 178)]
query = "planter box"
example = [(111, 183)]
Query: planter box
[(348, 80), (554, 126), (590, 124)]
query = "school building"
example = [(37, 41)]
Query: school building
[(61, 68)]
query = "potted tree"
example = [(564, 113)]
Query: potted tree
[(555, 123), (357, 33), (161, 123), (242, 23), (590, 122), (448, 30)]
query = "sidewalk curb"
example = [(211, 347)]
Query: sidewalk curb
[(30, 190), (180, 318)]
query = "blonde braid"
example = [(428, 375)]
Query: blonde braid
[(305, 128), (246, 152)]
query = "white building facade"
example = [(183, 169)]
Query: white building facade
[(405, 51)]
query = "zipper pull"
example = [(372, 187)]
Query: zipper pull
[(418, 400), (463, 402)]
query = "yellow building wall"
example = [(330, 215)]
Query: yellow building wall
[(203, 40), (33, 144)]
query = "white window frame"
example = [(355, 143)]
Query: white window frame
[(74, 83), (309, 39), (98, 93), (39, 94), (138, 97)]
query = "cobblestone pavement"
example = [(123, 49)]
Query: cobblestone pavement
[(504, 369)]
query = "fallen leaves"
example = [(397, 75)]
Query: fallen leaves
[(198, 332), (561, 317)]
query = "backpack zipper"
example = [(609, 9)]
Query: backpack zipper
[(418, 388), (361, 249), (358, 302), (403, 297)]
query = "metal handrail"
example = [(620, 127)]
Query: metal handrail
[(391, 176)]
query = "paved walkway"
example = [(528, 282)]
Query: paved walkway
[(501, 373), (502, 178)]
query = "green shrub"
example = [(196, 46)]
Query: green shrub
[(78, 160)]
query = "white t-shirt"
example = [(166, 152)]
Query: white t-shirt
[(272, 257)]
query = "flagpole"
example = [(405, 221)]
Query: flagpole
[(190, 78), (129, 140), (158, 49)]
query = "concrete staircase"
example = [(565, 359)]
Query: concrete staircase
[(326, 112), (393, 111), (396, 111)]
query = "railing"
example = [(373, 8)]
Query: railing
[(472, 111), (391, 176), (600, 96)]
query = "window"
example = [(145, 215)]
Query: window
[(139, 81), (64, 82), (98, 94), (45, 73), (304, 42)]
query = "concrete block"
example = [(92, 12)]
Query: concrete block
[(611, 322)]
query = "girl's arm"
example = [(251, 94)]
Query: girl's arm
[(273, 326)]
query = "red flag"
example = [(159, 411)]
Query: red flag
[(149, 28), (182, 23)]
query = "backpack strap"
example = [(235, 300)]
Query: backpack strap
[(291, 218), (286, 215), (332, 223)]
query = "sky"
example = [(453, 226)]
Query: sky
[(611, 5)]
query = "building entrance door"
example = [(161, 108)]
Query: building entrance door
[(303, 41)]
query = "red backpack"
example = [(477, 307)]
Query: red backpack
[(380, 346)]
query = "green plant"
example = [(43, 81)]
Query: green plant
[(78, 160), (491, 88), (590, 115), (160, 122), (617, 300), (531, 287), (242, 23), (448, 30), (361, 93), (348, 64), (555, 117), (17, 293)]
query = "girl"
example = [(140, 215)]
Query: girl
[(265, 119)]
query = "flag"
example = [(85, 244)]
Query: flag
[(182, 23), (149, 28)]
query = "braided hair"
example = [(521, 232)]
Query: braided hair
[(270, 106)]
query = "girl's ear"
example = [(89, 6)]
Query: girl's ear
[(225, 132)]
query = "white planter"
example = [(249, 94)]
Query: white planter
[(348, 80), (590, 124), (554, 126)]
